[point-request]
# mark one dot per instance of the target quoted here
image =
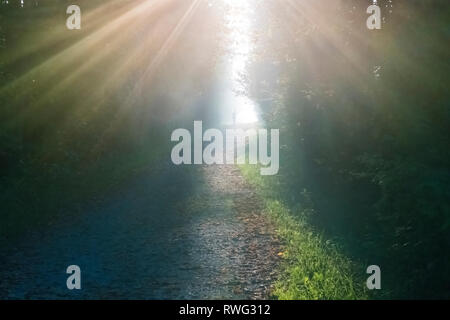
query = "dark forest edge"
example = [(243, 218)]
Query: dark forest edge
[(371, 154)]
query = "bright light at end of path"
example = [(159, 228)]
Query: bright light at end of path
[(246, 112), (240, 26)]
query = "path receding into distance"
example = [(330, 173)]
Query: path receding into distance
[(192, 232), (181, 234)]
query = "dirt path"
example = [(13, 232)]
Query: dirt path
[(183, 233), (238, 233)]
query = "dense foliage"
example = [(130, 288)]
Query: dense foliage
[(365, 128)]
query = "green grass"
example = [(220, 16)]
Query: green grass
[(313, 267)]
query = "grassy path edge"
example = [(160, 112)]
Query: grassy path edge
[(313, 267)]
